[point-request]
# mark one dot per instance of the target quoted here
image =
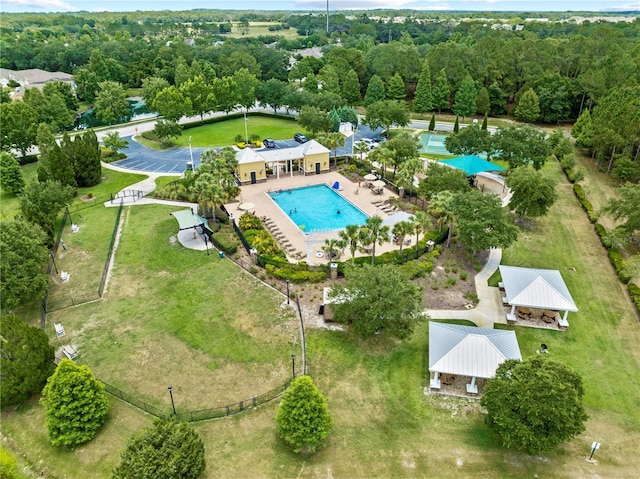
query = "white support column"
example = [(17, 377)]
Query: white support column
[(472, 388), (435, 382)]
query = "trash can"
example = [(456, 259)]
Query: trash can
[(221, 254), (321, 311)]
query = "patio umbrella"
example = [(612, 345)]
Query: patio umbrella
[(370, 177), (378, 183), (246, 206)]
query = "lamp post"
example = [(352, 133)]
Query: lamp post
[(193, 167), (172, 403), (287, 290), (246, 130), (293, 366)]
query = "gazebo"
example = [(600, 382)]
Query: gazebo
[(537, 289), (468, 351)]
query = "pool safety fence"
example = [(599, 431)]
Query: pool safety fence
[(202, 414)]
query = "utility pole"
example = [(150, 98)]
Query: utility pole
[(327, 18)]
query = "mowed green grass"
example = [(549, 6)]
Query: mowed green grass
[(173, 316), (385, 426), (223, 133), (112, 182)]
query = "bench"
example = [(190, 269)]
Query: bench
[(59, 330), (70, 351)]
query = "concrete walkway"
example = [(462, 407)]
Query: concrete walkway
[(187, 238), (489, 309)]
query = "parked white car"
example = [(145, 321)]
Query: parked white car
[(370, 143)]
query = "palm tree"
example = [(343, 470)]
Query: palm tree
[(360, 148), (333, 141), (350, 237), (408, 170), (441, 205), (402, 229), (332, 248), (209, 192), (376, 233), (382, 156), (421, 223)]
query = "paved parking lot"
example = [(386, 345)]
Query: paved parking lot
[(174, 161)]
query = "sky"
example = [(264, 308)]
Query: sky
[(476, 5)]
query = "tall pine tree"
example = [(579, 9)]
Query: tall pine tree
[(423, 101), (528, 107), (351, 88), (441, 92), (465, 100), (375, 91), (395, 88)]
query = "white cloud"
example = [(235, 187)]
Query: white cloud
[(45, 5)]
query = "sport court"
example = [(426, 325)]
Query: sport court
[(432, 143)]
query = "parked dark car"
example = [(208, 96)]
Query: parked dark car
[(300, 138), (268, 143), (379, 139)]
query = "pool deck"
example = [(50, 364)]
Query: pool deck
[(309, 246)]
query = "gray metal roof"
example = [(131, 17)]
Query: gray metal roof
[(280, 154), (470, 351), (536, 288)]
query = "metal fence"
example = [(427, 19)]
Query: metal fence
[(199, 415), (52, 266), (114, 234), (134, 401), (49, 305)]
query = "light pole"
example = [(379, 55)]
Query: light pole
[(287, 290), (172, 403), (293, 366), (193, 167), (246, 131)]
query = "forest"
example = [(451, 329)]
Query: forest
[(552, 71)]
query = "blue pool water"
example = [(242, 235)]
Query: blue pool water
[(315, 208)]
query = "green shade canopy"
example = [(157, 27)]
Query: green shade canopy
[(472, 164), (187, 219)]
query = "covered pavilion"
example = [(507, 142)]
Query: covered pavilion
[(541, 289), (468, 351), (308, 158)]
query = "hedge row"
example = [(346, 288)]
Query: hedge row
[(586, 204), (634, 291), (296, 275), (225, 241), (232, 116), (614, 255)]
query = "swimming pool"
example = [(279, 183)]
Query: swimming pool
[(318, 208)]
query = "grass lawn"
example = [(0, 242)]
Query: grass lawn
[(178, 317), (257, 29), (84, 257), (224, 132), (10, 203), (173, 316)]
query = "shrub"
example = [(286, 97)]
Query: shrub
[(579, 191), (225, 242), (451, 281), (250, 222), (618, 263), (75, 404), (600, 230), (464, 275), (634, 291)]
